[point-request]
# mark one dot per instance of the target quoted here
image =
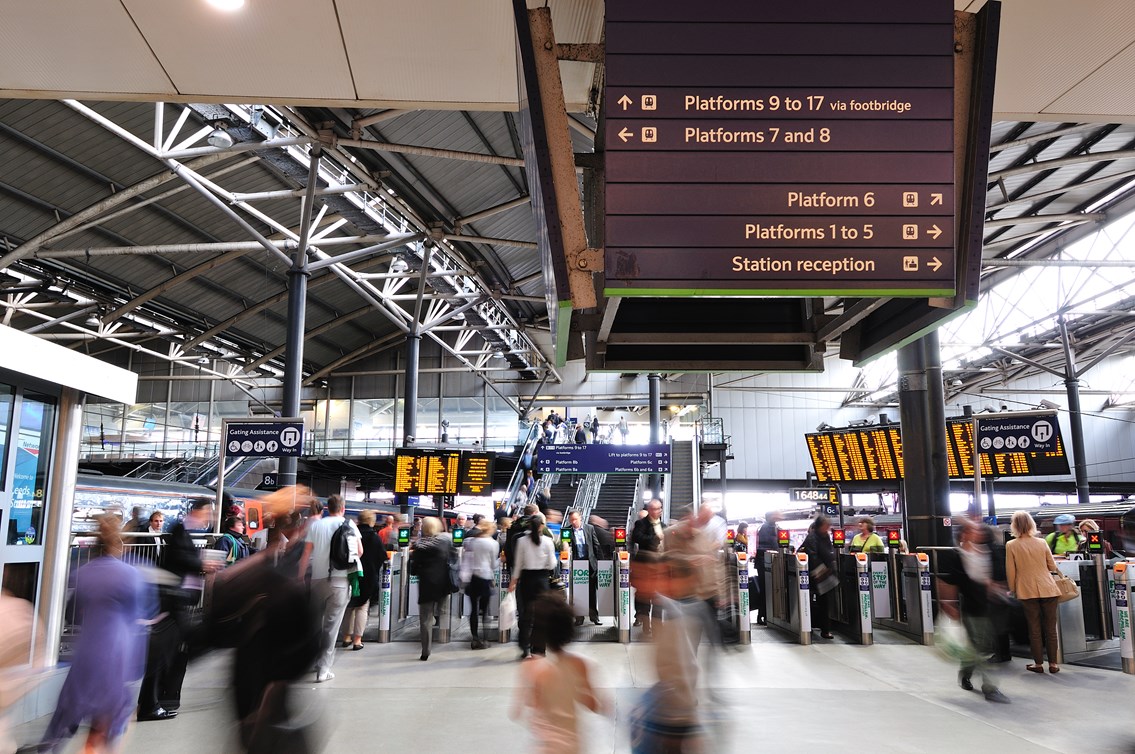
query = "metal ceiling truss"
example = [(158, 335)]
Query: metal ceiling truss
[(455, 291)]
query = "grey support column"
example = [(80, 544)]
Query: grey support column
[(655, 382), (926, 492), (57, 534), (410, 395), (298, 276), (1075, 416)]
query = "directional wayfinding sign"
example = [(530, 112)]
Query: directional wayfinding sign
[(604, 459), (264, 438), (1027, 432), (786, 149)]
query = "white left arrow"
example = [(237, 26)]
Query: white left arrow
[(935, 264), (934, 232), (625, 134)]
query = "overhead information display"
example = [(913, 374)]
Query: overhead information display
[(476, 475), (874, 454), (789, 149), (429, 471)]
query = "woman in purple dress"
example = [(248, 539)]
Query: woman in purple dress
[(111, 605)]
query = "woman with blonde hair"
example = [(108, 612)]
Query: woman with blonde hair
[(478, 568), (1030, 567), (429, 561)]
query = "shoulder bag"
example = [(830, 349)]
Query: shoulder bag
[(1068, 589)]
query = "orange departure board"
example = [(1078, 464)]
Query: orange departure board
[(875, 454), (441, 474), (476, 477), (409, 472), (437, 471)]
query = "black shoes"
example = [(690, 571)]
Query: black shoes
[(579, 620), (597, 622), (964, 681), (425, 656), (826, 635), (158, 714), (995, 696)]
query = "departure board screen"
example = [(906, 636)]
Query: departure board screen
[(428, 471), (476, 477), (409, 472), (854, 455), (875, 454)]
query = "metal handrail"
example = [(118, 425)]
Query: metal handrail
[(587, 494), (513, 490)]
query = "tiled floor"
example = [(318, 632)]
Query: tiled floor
[(891, 697)]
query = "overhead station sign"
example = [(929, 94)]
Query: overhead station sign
[(789, 149), (264, 439), (604, 459)]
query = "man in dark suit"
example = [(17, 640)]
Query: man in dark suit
[(646, 548), (583, 544)]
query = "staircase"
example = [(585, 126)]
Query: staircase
[(616, 497), (563, 492), (683, 487)]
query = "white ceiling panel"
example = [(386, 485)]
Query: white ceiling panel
[(88, 46), (1109, 90), (1049, 46), (432, 51), (269, 49)]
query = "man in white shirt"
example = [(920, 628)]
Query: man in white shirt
[(330, 589)]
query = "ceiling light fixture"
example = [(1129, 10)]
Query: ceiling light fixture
[(203, 360), (226, 5), (94, 321), (220, 139)]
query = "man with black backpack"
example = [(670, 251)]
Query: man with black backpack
[(333, 547)]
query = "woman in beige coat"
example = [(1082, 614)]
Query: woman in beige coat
[(1030, 568)]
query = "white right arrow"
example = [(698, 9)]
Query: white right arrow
[(625, 101), (625, 134), (935, 264), (934, 232)]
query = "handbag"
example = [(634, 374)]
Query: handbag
[(1068, 589), (508, 612)]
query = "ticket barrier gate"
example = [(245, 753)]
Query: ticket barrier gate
[(851, 607), (576, 577), (1123, 590), (398, 605), (901, 596), (789, 600), (744, 627), (1088, 625)]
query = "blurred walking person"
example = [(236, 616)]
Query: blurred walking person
[(534, 562), (111, 604), (822, 572), (766, 542), (16, 674), (647, 537), (330, 564), (554, 687), (429, 561), (373, 558), (1029, 563), (969, 591), (478, 567)]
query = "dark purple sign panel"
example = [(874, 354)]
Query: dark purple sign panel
[(604, 459), (790, 149)]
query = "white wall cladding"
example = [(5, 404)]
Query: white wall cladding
[(768, 416)]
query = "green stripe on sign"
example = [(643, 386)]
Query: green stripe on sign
[(779, 292)]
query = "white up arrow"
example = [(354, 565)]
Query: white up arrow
[(625, 134), (934, 232), (935, 264), (625, 101)]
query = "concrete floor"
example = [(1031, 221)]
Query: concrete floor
[(891, 697)]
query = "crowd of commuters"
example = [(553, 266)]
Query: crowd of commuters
[(313, 580)]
